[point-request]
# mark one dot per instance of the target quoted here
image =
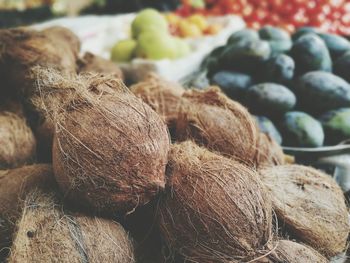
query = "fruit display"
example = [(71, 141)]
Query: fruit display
[(151, 39), (331, 16), (299, 82), (155, 172)]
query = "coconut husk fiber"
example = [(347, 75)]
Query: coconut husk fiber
[(17, 142), (95, 64), (110, 149), (215, 209), (310, 205), (268, 152), (47, 233), (15, 184), (211, 119), (287, 251), (24, 48), (163, 97)]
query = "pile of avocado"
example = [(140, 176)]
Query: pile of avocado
[(297, 86)]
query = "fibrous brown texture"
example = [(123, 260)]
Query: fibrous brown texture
[(95, 64), (268, 152), (48, 234), (17, 142), (15, 184), (291, 252), (110, 149), (163, 97), (213, 120), (310, 205), (215, 209), (22, 49)]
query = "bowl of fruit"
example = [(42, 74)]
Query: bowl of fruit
[(296, 85)]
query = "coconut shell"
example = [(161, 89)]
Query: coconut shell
[(215, 209), (15, 184), (310, 205), (17, 142), (95, 64), (213, 120), (163, 97), (110, 149), (23, 49), (291, 252), (268, 152), (46, 233)]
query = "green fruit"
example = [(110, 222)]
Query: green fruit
[(267, 126), (310, 53), (182, 47), (303, 31), (336, 124), (233, 84), (245, 55), (279, 69), (342, 66), (273, 33), (148, 20), (123, 51), (270, 99), (337, 45), (301, 130), (280, 46), (244, 34), (156, 45), (322, 91)]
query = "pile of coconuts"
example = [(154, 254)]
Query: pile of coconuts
[(94, 171)]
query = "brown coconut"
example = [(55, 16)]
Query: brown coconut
[(95, 64), (22, 49), (286, 251), (17, 142), (15, 184), (268, 152), (47, 233), (110, 149), (310, 205), (215, 209), (211, 119), (163, 97)]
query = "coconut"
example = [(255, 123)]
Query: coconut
[(213, 120), (215, 209), (14, 186), (95, 64), (268, 152), (23, 48), (110, 149), (291, 252), (163, 97), (18, 144), (47, 233), (310, 205)]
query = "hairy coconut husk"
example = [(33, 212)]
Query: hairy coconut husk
[(17, 142), (15, 184), (22, 49), (44, 137), (95, 64), (215, 209), (46, 233), (11, 105), (110, 148), (310, 205), (268, 152), (163, 97), (291, 252), (213, 120)]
